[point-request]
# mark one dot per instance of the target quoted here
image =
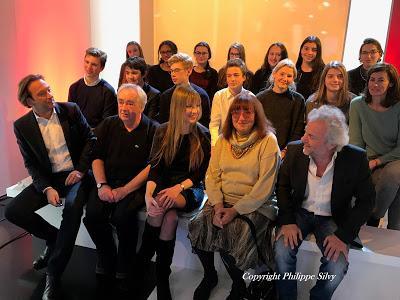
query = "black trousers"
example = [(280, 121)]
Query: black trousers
[(99, 219), (21, 212)]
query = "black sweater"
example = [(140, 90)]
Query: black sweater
[(286, 112)]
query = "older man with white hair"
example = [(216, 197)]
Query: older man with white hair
[(120, 168), (317, 181)]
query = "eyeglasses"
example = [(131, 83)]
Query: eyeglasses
[(247, 113), (372, 52), (237, 55), (173, 71), (166, 52), (201, 53)]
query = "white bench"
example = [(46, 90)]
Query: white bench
[(183, 257), (373, 272)]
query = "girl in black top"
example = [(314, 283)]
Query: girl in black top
[(179, 160), (276, 52), (309, 66), (158, 75)]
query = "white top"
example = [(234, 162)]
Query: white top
[(54, 140), (319, 189), (219, 111)]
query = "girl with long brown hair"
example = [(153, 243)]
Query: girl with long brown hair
[(333, 89)]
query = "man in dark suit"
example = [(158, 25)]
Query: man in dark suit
[(55, 142), (181, 66), (317, 181)]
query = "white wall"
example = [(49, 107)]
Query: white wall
[(367, 18), (113, 25)]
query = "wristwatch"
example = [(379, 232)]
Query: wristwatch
[(100, 184)]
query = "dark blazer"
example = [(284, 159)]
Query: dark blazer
[(165, 103), (351, 178), (153, 101), (78, 136)]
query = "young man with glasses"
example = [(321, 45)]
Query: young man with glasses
[(181, 66), (370, 53)]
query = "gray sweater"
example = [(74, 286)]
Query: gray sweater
[(377, 132)]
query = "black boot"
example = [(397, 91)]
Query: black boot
[(165, 253), (210, 279), (51, 290), (373, 222), (43, 259), (238, 291), (148, 246)]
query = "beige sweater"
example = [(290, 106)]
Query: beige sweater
[(247, 182)]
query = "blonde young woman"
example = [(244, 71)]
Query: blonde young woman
[(333, 89), (283, 106), (179, 159)]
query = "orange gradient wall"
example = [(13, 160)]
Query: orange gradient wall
[(256, 24), (47, 37), (51, 39)]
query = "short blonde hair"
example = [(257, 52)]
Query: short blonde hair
[(284, 63), (183, 58)]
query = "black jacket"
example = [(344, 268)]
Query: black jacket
[(351, 178), (78, 136)]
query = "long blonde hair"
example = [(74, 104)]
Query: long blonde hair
[(184, 95)]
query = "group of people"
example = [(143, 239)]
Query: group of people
[(240, 138)]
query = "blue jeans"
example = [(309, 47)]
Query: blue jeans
[(285, 258)]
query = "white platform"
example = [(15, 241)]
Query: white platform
[(373, 273)]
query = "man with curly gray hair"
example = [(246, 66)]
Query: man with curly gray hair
[(317, 181)]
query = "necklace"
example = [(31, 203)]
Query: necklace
[(362, 76)]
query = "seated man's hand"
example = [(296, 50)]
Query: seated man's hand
[(291, 235), (333, 246), (74, 177), (119, 193), (105, 193), (52, 197)]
